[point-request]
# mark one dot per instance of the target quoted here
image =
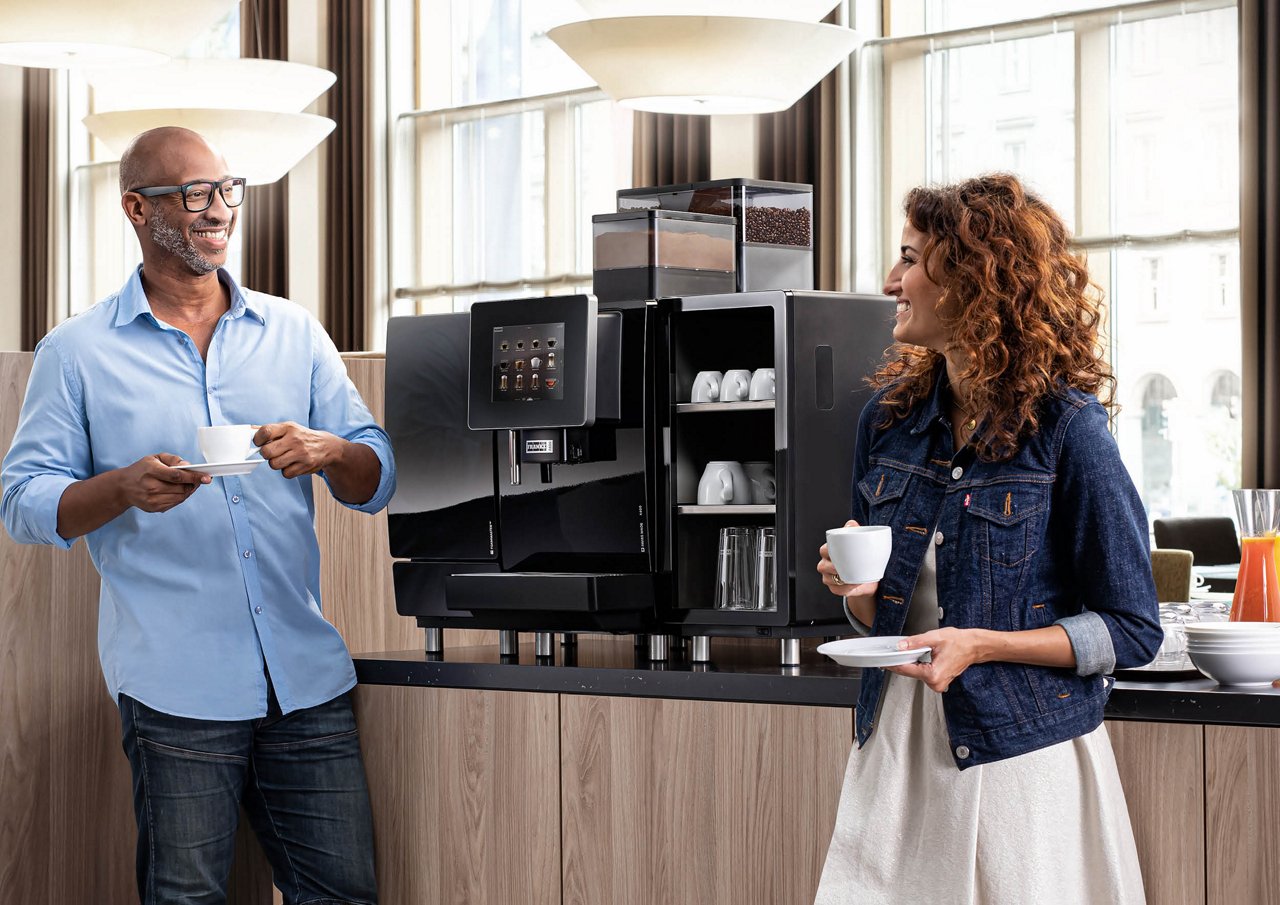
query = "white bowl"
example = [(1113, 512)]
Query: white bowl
[(1237, 668), (1234, 629), (1272, 650)]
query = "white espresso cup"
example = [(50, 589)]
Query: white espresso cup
[(723, 483), (226, 442), (706, 386), (736, 386), (762, 385), (760, 475), (860, 553)]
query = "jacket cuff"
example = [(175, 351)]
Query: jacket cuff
[(1091, 642)]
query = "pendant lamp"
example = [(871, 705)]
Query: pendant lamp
[(250, 110), (72, 34), (705, 64)]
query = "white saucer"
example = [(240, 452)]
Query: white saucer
[(880, 650), (223, 469)]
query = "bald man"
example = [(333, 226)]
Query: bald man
[(233, 689)]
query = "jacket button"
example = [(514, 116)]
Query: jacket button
[(962, 752), (940, 614), (937, 538), (957, 472)]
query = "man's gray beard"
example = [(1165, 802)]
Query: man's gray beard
[(170, 238)]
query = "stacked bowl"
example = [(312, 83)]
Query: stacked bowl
[(1235, 653)]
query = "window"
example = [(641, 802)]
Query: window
[(1127, 126), (507, 152)]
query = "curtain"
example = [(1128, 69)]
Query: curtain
[(36, 187), (345, 245), (265, 215), (1260, 239), (669, 149)]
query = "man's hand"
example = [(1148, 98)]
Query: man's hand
[(153, 485), (294, 450)]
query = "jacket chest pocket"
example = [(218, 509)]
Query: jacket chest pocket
[(1008, 518), (882, 490)]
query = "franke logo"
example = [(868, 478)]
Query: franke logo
[(539, 446)]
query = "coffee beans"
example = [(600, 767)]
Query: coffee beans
[(779, 226)]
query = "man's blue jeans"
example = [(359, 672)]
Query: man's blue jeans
[(301, 781)]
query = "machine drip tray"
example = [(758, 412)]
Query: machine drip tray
[(550, 592)]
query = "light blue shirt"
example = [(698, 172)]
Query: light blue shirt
[(194, 600)]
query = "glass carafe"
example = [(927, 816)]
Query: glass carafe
[(1257, 597)]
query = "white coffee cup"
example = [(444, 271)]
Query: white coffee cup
[(762, 385), (737, 383), (764, 488), (706, 386), (226, 442), (860, 553), (723, 483)]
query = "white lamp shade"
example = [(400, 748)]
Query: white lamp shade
[(241, 83), (260, 145), (82, 33), (705, 64), (797, 10)]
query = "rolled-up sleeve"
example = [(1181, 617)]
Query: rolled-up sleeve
[(1102, 529), (50, 450), (336, 407)]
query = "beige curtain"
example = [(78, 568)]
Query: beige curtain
[(1260, 239), (36, 187), (264, 217), (345, 247), (669, 149)]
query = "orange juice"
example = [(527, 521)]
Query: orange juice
[(1257, 597)]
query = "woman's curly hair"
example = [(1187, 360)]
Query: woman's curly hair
[(1016, 298)]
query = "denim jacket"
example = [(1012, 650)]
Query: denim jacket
[(1056, 535)]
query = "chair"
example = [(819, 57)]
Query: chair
[(1211, 539), (1172, 572)]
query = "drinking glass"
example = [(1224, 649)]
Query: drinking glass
[(1257, 596), (735, 569), (766, 572)]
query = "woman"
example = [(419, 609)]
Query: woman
[(1020, 558)]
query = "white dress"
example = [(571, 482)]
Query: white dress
[(1050, 826)]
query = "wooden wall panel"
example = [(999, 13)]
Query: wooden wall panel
[(25, 629), (355, 568), (692, 801), (466, 794), (1242, 791), (1161, 767)]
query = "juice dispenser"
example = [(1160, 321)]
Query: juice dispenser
[(1257, 596)]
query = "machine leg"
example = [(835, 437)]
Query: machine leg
[(701, 649), (433, 640), (544, 644), (569, 639), (658, 647), (790, 651), (508, 643)]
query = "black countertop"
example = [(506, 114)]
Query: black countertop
[(748, 671)]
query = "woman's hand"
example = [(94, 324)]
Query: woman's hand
[(954, 651), (859, 598)]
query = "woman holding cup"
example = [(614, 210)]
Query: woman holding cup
[(1019, 558)]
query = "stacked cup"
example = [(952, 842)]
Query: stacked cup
[(1235, 653)]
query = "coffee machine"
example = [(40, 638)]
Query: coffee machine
[(549, 450)]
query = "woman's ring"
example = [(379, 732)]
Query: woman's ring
[(837, 581)]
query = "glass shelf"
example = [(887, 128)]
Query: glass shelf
[(759, 406), (741, 509)]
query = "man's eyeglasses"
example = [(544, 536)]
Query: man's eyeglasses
[(198, 195)]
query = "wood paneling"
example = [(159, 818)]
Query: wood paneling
[(693, 801), (466, 794), (25, 744), (1162, 769), (1242, 791)]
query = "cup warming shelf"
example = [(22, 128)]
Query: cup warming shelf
[(740, 509), (759, 406)]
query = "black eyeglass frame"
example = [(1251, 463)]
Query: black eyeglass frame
[(216, 184)]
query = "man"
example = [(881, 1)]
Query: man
[(232, 688)]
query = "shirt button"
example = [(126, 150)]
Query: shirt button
[(248, 554), (937, 538), (210, 392), (957, 472), (258, 610), (235, 499), (962, 752)]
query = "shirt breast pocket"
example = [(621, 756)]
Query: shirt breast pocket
[(882, 490), (1009, 517)]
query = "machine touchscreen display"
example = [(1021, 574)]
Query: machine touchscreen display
[(527, 362)]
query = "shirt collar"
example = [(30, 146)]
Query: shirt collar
[(133, 300)]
